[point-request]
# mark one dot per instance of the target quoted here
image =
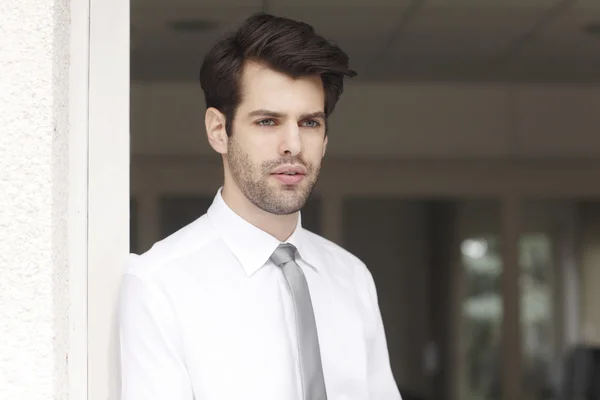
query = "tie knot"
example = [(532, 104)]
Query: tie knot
[(284, 253)]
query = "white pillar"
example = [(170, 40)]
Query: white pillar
[(109, 186)]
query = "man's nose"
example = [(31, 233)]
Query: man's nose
[(291, 143)]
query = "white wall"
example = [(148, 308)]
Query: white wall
[(34, 292), (403, 120)]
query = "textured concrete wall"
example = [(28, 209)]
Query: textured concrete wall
[(34, 60)]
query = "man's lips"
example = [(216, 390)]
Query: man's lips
[(289, 179), (290, 169), (289, 174)]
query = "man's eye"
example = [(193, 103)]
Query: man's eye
[(312, 124), (266, 122)]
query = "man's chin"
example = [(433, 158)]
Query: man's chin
[(290, 200)]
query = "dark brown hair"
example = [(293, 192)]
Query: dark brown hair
[(284, 45)]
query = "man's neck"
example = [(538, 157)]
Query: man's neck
[(279, 226)]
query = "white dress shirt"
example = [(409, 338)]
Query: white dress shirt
[(205, 315)]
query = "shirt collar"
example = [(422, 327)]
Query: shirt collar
[(251, 245)]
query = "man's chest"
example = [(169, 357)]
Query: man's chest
[(240, 340)]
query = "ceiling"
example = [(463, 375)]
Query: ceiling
[(393, 40)]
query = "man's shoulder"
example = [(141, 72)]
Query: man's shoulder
[(332, 249), (166, 252), (346, 264)]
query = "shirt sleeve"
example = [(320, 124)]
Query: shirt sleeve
[(382, 385), (151, 365)]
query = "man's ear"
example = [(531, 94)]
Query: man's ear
[(326, 140), (214, 121)]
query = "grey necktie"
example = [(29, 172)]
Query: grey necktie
[(311, 370)]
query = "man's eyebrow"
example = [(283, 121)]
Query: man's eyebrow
[(275, 114), (318, 114), (265, 113)]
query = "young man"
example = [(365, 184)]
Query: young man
[(243, 303)]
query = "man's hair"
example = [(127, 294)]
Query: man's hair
[(284, 45)]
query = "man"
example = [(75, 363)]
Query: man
[(243, 303)]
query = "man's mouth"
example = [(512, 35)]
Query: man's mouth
[(290, 170), (290, 174)]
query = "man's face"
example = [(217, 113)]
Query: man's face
[(278, 141)]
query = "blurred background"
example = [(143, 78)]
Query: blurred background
[(463, 169)]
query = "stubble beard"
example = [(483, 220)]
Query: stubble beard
[(274, 199)]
